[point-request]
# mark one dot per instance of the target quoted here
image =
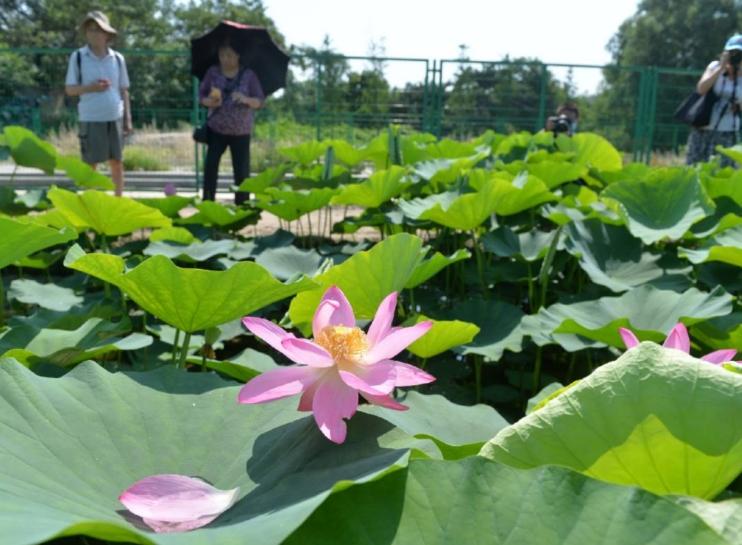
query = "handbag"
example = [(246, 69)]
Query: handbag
[(696, 109), (201, 134)]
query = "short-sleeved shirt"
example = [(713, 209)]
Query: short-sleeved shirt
[(724, 88), (231, 118), (105, 105)]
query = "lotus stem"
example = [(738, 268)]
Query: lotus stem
[(175, 346), (480, 263), (184, 350), (478, 378), (537, 371), (2, 300)]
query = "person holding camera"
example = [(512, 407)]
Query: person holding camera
[(565, 120), (724, 79)]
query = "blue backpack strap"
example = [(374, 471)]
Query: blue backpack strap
[(79, 67)]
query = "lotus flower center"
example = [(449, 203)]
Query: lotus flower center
[(345, 344)]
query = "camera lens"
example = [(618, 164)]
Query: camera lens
[(735, 56)]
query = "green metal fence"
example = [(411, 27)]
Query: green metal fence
[(352, 97)]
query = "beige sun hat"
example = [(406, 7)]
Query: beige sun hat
[(101, 20)]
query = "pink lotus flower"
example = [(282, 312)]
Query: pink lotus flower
[(169, 189), (339, 363), (678, 339), (176, 503)]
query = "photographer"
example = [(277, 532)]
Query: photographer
[(565, 120), (724, 79)]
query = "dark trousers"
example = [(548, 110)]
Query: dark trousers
[(239, 148)]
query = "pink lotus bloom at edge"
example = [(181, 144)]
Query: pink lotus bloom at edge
[(339, 363), (176, 503), (678, 339)]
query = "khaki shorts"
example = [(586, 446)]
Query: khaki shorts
[(101, 140)]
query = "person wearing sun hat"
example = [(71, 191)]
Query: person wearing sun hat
[(97, 74), (724, 79)]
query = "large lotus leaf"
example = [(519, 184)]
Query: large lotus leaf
[(28, 150), (365, 278), (592, 150), (242, 367), (555, 173), (443, 336), (292, 204), (655, 418), (727, 186), (49, 296), (172, 234), (474, 501), (664, 204), (285, 262), (214, 214), (612, 257), (523, 193), (499, 323), (725, 247), (728, 214), (733, 152), (530, 245), (92, 339), (105, 214), (41, 260), (725, 517), (433, 265), (346, 153), (381, 186), (581, 207), (305, 153), (720, 333), (541, 328), (83, 174), (21, 239), (170, 206), (648, 311), (188, 299), (70, 446), (458, 430), (192, 253), (268, 177)]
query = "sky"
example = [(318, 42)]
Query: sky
[(561, 31)]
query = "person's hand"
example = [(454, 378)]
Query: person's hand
[(724, 60), (212, 101), (128, 128), (99, 86)]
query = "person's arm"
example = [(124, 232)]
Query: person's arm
[(97, 87), (253, 97), (712, 73), (128, 127), (205, 95)]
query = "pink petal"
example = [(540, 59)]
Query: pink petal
[(678, 339), (307, 398), (629, 339), (268, 332), (307, 353), (720, 356), (342, 314), (396, 341), (377, 379), (334, 401), (409, 375), (277, 384), (171, 498), (383, 319), (385, 401)]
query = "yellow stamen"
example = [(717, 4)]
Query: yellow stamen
[(346, 344)]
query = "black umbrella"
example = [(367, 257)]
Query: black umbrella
[(256, 49)]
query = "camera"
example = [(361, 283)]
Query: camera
[(560, 124), (735, 57)]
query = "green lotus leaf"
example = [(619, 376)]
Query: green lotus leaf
[(530, 245), (83, 174), (285, 262), (613, 258), (475, 501), (720, 333), (581, 207), (347, 153), (170, 206), (664, 204), (188, 299), (458, 430), (443, 336), (33, 199), (48, 296), (21, 239), (71, 445), (41, 260), (593, 151), (428, 268), (546, 394), (214, 214), (172, 234), (242, 367), (292, 204), (726, 186), (305, 153), (655, 418), (93, 339), (105, 214), (365, 278), (381, 186), (733, 152), (554, 173), (725, 517), (650, 312), (499, 323), (725, 247), (192, 253), (267, 178), (541, 328), (28, 150)]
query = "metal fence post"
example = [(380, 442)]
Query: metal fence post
[(541, 121), (195, 121), (318, 99)]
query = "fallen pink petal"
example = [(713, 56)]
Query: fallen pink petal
[(340, 363), (679, 339), (176, 503)]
